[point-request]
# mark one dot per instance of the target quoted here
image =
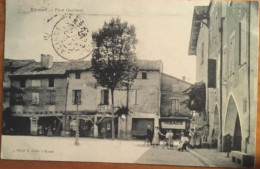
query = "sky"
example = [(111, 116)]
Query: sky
[(163, 28)]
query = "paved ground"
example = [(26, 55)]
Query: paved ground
[(95, 150), (215, 158)]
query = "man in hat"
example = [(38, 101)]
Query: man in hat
[(149, 134)]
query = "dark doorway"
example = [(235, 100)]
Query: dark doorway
[(21, 125), (237, 136)]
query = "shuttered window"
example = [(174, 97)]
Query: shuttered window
[(51, 82), (22, 83), (76, 98), (17, 98), (35, 98), (212, 73), (104, 97), (50, 97), (175, 105)]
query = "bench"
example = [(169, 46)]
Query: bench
[(243, 159)]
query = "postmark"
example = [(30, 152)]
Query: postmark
[(71, 38)]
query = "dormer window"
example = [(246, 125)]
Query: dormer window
[(77, 75), (144, 75)]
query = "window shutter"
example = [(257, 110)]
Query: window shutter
[(73, 97), (106, 97), (102, 97), (212, 73)]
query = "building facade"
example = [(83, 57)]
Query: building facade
[(48, 97), (174, 114), (228, 32), (10, 66)]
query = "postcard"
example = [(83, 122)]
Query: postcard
[(124, 81)]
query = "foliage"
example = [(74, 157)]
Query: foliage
[(197, 97), (113, 58), (122, 110)]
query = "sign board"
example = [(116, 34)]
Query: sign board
[(173, 124)]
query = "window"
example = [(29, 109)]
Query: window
[(76, 99), (51, 82), (231, 54), (22, 83), (212, 73), (36, 83), (175, 105), (17, 98), (104, 97), (50, 97), (77, 75), (202, 53), (242, 42), (35, 98), (144, 75)]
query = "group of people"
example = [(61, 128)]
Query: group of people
[(196, 138), (154, 138)]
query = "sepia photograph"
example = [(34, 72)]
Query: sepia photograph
[(169, 82)]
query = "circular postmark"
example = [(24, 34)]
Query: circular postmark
[(70, 38)]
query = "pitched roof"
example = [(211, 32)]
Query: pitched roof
[(15, 64), (149, 64), (199, 13), (60, 68), (163, 74)]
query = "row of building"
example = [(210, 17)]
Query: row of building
[(45, 98), (224, 38)]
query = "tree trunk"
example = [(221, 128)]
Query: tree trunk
[(112, 112), (127, 106)]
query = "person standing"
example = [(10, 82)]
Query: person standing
[(149, 134), (156, 139), (192, 138), (169, 138)]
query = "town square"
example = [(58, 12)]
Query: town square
[(162, 83)]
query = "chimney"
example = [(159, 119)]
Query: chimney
[(46, 61), (183, 78)]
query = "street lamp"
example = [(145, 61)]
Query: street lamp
[(77, 119)]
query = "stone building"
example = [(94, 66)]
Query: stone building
[(48, 96), (10, 66), (174, 114), (224, 38), (95, 103), (38, 93)]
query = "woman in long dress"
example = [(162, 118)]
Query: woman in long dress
[(192, 138), (169, 138), (156, 139)]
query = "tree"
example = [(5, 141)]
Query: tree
[(114, 58), (197, 97)]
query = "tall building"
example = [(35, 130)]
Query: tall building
[(224, 38)]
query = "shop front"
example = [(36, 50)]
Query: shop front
[(140, 125), (176, 124)]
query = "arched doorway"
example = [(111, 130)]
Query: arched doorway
[(215, 131), (232, 125)]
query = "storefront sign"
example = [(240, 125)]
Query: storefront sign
[(173, 124)]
